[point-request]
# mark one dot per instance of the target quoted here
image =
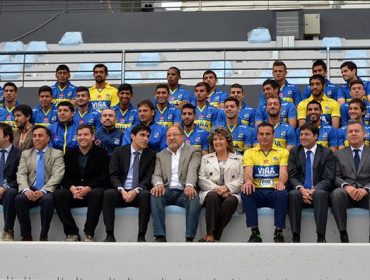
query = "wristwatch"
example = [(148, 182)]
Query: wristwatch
[(137, 190)]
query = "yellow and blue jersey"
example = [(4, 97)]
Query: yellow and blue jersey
[(6, 116), (197, 138), (67, 93), (344, 113), (284, 135), (104, 98), (44, 118), (246, 116), (330, 109), (157, 138), (287, 92), (206, 116), (215, 98), (266, 165), (126, 118), (342, 136), (90, 117), (63, 135), (287, 111), (109, 139), (344, 90), (330, 91), (328, 136), (168, 116), (178, 95)]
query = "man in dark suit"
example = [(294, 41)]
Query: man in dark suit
[(311, 174), (85, 179), (131, 168), (40, 172), (9, 160), (352, 177)]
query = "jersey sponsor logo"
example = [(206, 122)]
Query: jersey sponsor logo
[(266, 170), (201, 116), (45, 120), (8, 117), (60, 95), (56, 136), (122, 120), (187, 141), (81, 121), (99, 96), (266, 161), (264, 183)]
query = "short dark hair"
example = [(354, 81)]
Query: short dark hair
[(210, 72), (141, 127), (204, 84), (25, 110), (279, 63), (81, 89), (320, 62), (313, 101), (350, 65), (63, 67), (233, 99), (318, 77), (7, 131), (46, 89), (264, 124), (311, 127), (359, 102), (126, 87), (84, 125), (188, 106), (10, 84), (236, 85), (146, 102), (48, 131), (176, 69), (100, 65), (356, 82), (162, 86), (272, 83), (67, 104)]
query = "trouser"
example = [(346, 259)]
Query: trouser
[(7, 200)]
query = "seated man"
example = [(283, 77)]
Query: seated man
[(9, 161), (174, 182), (311, 169), (265, 176), (131, 169), (352, 177), (40, 171), (85, 179)]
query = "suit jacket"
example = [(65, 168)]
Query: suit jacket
[(209, 176), (323, 168), (188, 166), (27, 144), (54, 169), (96, 173), (11, 166), (120, 164), (346, 171)]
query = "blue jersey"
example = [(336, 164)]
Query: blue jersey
[(1, 97), (342, 136), (328, 136), (288, 111), (206, 116), (168, 116), (67, 93), (287, 92), (197, 138), (344, 113), (126, 118), (242, 136), (157, 139), (63, 135), (178, 95), (45, 118), (6, 116), (109, 139), (344, 90), (246, 116), (284, 135), (90, 117), (215, 98), (330, 91)]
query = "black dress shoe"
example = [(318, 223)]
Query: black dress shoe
[(321, 240), (110, 238), (161, 239), (344, 238), (141, 238), (27, 238)]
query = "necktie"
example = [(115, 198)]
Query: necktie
[(2, 167), (356, 158), (135, 170), (308, 173), (40, 172)]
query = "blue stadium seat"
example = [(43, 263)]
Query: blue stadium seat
[(84, 67), (10, 71), (221, 74), (71, 39), (331, 42), (148, 59), (355, 56), (13, 47), (133, 75), (115, 70), (161, 77), (303, 75), (259, 35)]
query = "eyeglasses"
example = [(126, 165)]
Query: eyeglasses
[(173, 135)]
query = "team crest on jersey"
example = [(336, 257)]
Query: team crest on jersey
[(327, 108), (74, 138), (156, 135), (240, 135), (53, 119), (290, 92), (107, 95), (180, 96), (275, 159), (325, 135), (69, 94), (91, 121), (116, 141), (283, 133), (131, 118), (169, 117), (246, 116), (209, 116), (283, 113), (197, 139)]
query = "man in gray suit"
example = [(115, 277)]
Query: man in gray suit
[(174, 181), (352, 178), (40, 171)]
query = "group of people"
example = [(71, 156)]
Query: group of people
[(92, 147)]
